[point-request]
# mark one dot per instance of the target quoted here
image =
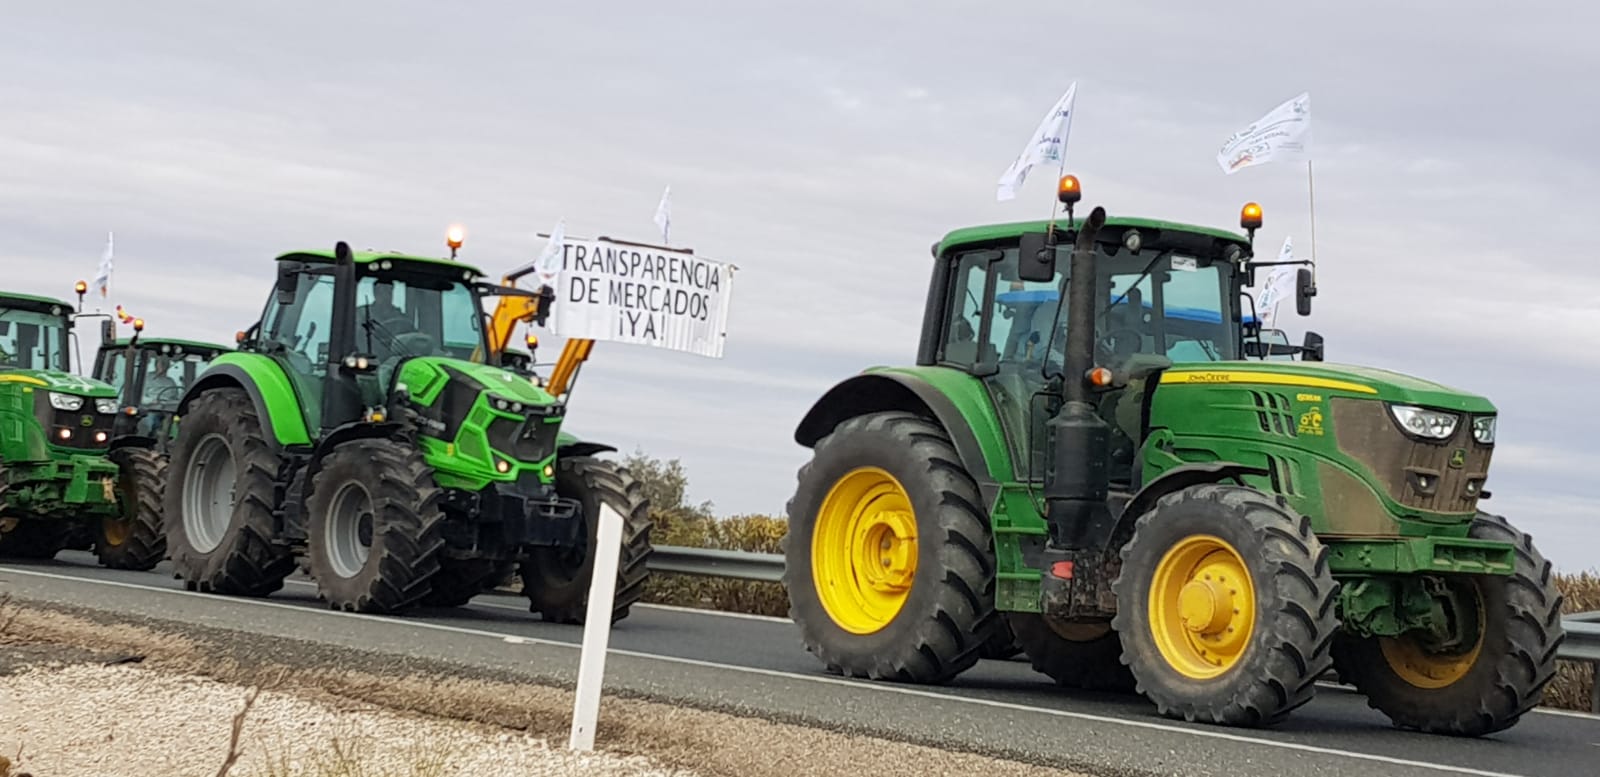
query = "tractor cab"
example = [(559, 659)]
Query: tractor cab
[(151, 376), (34, 333), (343, 323)]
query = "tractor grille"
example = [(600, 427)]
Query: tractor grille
[(530, 439), (1445, 476), (81, 426), (1272, 411)]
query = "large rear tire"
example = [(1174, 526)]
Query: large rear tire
[(220, 528), (374, 527), (133, 538), (1487, 686), (1075, 655), (889, 560), (556, 580), (35, 540), (1226, 606)]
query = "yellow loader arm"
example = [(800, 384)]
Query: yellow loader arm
[(514, 309)]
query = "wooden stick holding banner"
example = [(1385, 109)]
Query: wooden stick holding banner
[(596, 630)]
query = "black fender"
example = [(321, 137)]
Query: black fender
[(581, 448), (874, 393), (1175, 479)]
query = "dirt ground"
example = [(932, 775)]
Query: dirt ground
[(80, 696)]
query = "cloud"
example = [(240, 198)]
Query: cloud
[(824, 150)]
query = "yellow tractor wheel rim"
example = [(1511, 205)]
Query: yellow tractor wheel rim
[(1202, 607), (115, 531), (864, 550), (1414, 663)]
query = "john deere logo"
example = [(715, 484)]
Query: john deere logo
[(88, 420), (1458, 458)]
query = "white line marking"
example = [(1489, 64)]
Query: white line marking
[(859, 685)]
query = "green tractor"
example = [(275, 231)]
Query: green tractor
[(365, 431), (149, 375), (1146, 508), (61, 483)]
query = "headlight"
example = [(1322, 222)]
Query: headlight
[(66, 402), (1483, 429), (1422, 422), (107, 405)]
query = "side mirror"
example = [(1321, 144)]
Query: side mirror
[(1304, 289), (1036, 258), (1311, 351), (288, 283), (108, 331)]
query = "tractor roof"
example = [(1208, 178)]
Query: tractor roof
[(368, 257), (32, 301), (160, 341), (987, 233)]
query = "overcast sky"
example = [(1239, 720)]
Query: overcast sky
[(823, 147)]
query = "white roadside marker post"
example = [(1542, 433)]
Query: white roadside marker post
[(596, 629)]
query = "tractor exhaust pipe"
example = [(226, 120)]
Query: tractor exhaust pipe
[(1078, 443)]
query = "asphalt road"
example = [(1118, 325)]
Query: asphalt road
[(751, 665)]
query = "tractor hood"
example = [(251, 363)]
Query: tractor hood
[(421, 372), (64, 382), (1328, 378)]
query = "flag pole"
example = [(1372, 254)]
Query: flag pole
[(1311, 195)]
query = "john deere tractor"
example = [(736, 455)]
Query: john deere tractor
[(149, 376), (1148, 509), (364, 429), (61, 484)]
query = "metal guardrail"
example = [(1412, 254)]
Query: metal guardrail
[(1583, 629), (705, 562)]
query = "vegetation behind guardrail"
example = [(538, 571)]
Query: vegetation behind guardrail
[(696, 526)]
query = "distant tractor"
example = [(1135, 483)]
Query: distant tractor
[(61, 485), (150, 375), (365, 429), (1148, 510)]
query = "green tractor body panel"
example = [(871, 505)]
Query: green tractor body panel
[(969, 398), (55, 427), (270, 385), (472, 422)]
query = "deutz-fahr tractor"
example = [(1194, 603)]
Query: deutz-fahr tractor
[(364, 429), (149, 375), (1149, 510), (61, 483)]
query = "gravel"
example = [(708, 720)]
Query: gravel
[(127, 721)]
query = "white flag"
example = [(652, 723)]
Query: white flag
[(664, 214), (102, 278), (550, 260), (1282, 134), (1048, 144), (1280, 284)]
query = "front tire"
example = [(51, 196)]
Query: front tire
[(36, 540), (133, 538), (220, 529), (374, 528), (890, 564), (1487, 687), (1226, 606), (556, 580)]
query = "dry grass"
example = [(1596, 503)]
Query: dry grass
[(1574, 682), (751, 533)]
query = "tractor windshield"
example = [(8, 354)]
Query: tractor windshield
[(1155, 302), (418, 316), (33, 340), (168, 375)]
